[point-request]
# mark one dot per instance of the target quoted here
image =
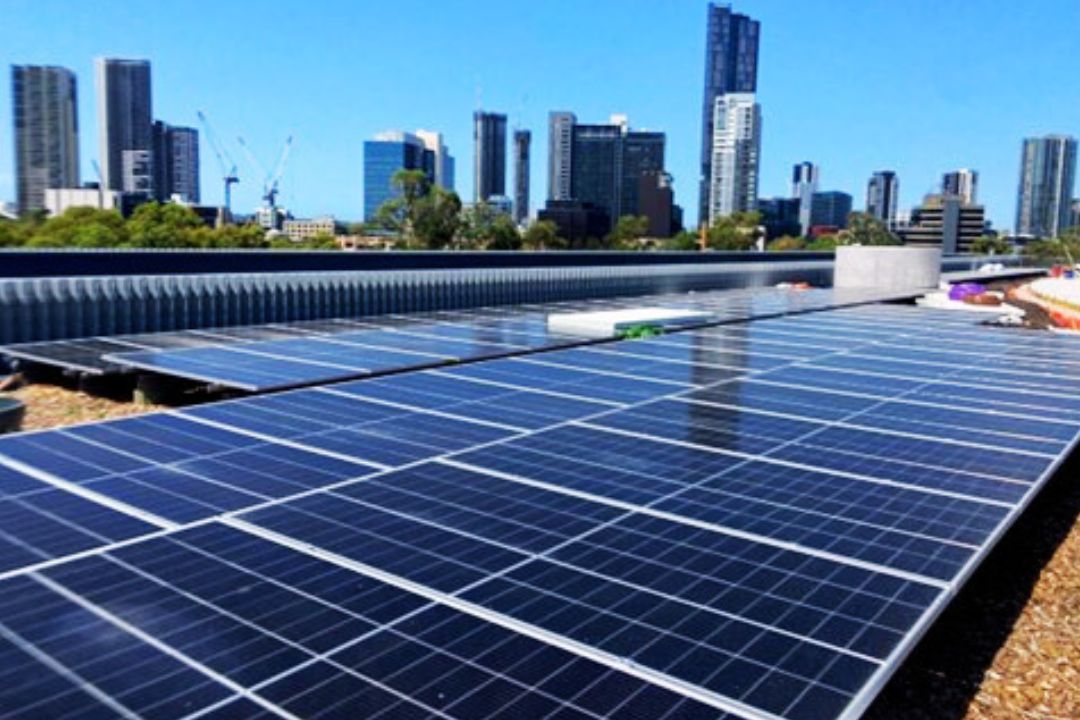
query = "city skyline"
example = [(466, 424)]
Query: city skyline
[(847, 116)]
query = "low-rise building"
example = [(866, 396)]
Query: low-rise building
[(300, 229), (946, 221)]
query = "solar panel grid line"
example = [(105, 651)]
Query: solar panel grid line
[(917, 402), (878, 682), (511, 386), (80, 682), (421, 410), (324, 656), (450, 600), (149, 639), (692, 522), (86, 493), (277, 440), (870, 429), (332, 340), (625, 376), (1035, 394)]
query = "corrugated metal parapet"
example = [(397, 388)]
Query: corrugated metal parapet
[(35, 309)]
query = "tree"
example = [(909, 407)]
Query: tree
[(865, 229), (786, 243), (436, 218), (12, 234), (1064, 249), (504, 234), (991, 245), (398, 213), (737, 231), (824, 243), (542, 235), (628, 230), (85, 227), (684, 240), (156, 225)]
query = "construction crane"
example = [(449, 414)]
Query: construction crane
[(225, 162), (272, 179)]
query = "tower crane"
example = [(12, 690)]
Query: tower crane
[(271, 179), (225, 162)]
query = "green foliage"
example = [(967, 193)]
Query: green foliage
[(321, 241), (422, 214), (786, 243), (737, 231), (684, 240), (542, 235), (991, 245), (628, 230), (865, 229), (504, 234), (1064, 249), (824, 243), (154, 225), (81, 227)]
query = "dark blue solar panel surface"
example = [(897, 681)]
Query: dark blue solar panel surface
[(744, 521)]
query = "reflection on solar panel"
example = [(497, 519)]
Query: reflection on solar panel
[(754, 521), (273, 357)]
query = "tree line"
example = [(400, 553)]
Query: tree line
[(151, 225)]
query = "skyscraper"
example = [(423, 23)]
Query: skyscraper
[(736, 150), (731, 59), (385, 155), (804, 183), (489, 136), (125, 124), (607, 164), (560, 148), (443, 167), (522, 140), (964, 184), (882, 196), (1047, 175), (176, 162), (46, 130)]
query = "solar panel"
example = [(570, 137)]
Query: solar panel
[(590, 533), (277, 356)]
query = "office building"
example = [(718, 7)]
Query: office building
[(607, 162), (882, 197), (779, 217), (577, 221), (560, 149), (735, 156), (1074, 215), (125, 126), (656, 201), (176, 162), (522, 140), (830, 209), (963, 184), (301, 229), (56, 200), (46, 131), (489, 162), (946, 221), (440, 160), (804, 183), (731, 59), (1047, 176), (383, 157)]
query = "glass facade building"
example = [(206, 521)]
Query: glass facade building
[(608, 162), (489, 136), (830, 209), (1047, 177), (384, 156), (45, 118), (882, 197), (125, 123), (731, 60)]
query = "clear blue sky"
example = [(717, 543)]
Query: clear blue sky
[(921, 86)]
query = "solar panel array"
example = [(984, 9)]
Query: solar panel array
[(273, 357), (747, 521)]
